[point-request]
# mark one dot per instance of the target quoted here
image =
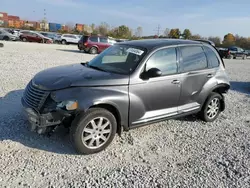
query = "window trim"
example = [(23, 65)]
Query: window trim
[(164, 48), (181, 58)]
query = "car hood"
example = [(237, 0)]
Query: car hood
[(76, 75)]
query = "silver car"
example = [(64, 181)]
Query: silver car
[(5, 35)]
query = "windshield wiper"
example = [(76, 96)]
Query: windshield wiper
[(93, 67)]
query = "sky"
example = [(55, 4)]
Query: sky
[(204, 17)]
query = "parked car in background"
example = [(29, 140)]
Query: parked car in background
[(31, 36), (233, 52), (95, 44), (5, 35), (70, 39), (54, 36), (154, 80)]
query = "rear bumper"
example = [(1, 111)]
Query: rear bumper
[(82, 47)]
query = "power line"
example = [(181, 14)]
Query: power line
[(158, 30)]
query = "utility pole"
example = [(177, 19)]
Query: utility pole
[(158, 30), (44, 19)]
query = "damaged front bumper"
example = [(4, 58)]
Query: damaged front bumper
[(39, 121)]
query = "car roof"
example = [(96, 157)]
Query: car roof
[(150, 44)]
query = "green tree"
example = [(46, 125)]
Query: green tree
[(186, 34), (174, 33), (196, 36), (103, 29)]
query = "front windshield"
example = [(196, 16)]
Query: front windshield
[(120, 59)]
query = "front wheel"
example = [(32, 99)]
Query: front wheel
[(93, 131), (64, 42), (212, 108)]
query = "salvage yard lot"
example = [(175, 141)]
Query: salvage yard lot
[(175, 153)]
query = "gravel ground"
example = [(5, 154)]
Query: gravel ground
[(175, 153)]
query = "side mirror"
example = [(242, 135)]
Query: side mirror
[(153, 72)]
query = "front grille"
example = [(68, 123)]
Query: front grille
[(34, 97)]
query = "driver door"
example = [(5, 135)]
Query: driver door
[(156, 97)]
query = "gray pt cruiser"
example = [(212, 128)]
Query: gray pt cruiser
[(130, 84)]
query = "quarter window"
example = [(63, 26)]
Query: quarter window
[(193, 58), (211, 57), (164, 60)]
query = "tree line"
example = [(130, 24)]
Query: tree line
[(125, 32)]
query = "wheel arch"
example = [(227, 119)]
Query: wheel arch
[(114, 110), (220, 89)]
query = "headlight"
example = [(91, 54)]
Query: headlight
[(69, 105)]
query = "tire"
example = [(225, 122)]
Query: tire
[(214, 98), (64, 42), (231, 56), (93, 50), (1, 45), (24, 39), (6, 38), (84, 128)]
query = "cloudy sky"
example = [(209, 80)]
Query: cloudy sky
[(206, 17)]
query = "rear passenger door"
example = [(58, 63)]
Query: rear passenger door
[(103, 43), (195, 73)]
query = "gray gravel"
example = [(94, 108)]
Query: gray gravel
[(175, 153)]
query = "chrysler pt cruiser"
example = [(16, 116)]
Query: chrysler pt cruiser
[(128, 85)]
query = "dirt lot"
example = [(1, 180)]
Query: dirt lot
[(175, 153)]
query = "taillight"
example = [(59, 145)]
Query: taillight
[(85, 44)]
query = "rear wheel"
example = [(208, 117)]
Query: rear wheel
[(24, 39), (93, 50), (6, 38), (212, 108), (93, 131)]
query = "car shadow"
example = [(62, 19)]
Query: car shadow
[(242, 87), (15, 127), (68, 50)]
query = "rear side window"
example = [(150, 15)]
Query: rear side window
[(211, 57), (103, 40), (193, 57), (93, 39)]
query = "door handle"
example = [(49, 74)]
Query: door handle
[(176, 82), (209, 75)]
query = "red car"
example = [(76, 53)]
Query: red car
[(95, 44), (30, 36)]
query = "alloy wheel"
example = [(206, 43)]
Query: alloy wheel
[(213, 108), (96, 133)]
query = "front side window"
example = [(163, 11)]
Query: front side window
[(120, 59), (211, 57), (165, 60), (193, 58)]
